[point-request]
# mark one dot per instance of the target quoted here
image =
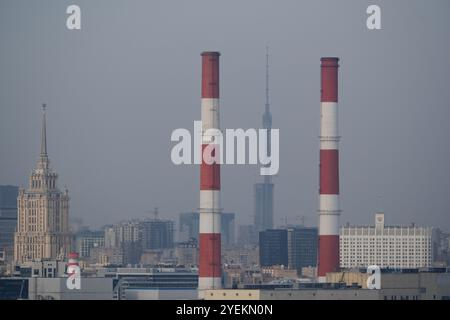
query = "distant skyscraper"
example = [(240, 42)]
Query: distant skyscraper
[(189, 227), (273, 247), (247, 235), (8, 221), (302, 247), (294, 248), (264, 191), (43, 213), (227, 228)]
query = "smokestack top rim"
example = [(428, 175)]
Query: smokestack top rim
[(330, 61), (73, 255), (210, 53)]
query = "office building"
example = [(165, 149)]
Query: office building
[(247, 235), (273, 247), (228, 229), (302, 247), (386, 246), (263, 205), (8, 221)]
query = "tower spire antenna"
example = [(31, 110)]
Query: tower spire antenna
[(43, 162), (267, 116), (263, 191), (267, 79), (44, 132)]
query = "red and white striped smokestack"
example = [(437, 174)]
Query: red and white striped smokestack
[(209, 238), (329, 170), (73, 259)]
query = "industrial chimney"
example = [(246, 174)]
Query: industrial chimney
[(209, 238), (329, 170)]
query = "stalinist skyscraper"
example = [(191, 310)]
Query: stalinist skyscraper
[(43, 213)]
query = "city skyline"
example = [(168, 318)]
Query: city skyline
[(258, 153), (393, 139)]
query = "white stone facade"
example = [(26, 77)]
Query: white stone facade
[(386, 246)]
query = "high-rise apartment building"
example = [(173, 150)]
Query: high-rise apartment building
[(125, 238), (157, 234)]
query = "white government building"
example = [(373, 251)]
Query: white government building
[(386, 246)]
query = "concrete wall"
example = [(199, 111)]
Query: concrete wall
[(292, 294), (428, 285), (160, 294), (55, 288), (227, 294), (394, 286)]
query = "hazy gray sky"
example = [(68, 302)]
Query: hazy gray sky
[(117, 88)]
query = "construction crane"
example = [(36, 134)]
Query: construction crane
[(302, 220), (154, 212)]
